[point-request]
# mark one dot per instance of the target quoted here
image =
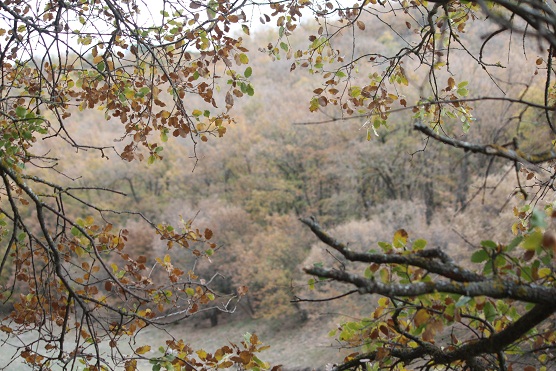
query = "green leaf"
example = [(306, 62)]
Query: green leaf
[(248, 72), (490, 311), (532, 241), (489, 244), (21, 236), (384, 276), (419, 244), (479, 256), (368, 273), (386, 247), (500, 261), (355, 91), (284, 46), (465, 127), (537, 219), (75, 232), (21, 111), (515, 242), (502, 306), (463, 92), (463, 84), (463, 300)]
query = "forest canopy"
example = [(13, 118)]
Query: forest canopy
[(432, 86)]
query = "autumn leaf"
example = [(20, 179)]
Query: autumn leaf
[(142, 350), (400, 238), (421, 317), (242, 290)]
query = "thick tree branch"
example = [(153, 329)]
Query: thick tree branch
[(468, 352), (497, 289), (506, 337), (424, 259)]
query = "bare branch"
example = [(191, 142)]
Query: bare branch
[(529, 160)]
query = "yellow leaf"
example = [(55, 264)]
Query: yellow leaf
[(544, 272), (79, 251), (167, 258), (514, 229), (383, 302), (131, 365), (400, 238), (142, 350)]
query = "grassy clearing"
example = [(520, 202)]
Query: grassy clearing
[(293, 345)]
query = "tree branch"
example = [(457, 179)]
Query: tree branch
[(497, 289), (490, 149), (423, 259)]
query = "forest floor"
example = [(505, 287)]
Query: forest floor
[(294, 345)]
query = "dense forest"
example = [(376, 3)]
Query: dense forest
[(274, 166)]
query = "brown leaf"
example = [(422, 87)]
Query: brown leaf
[(421, 317), (381, 353), (528, 255), (208, 234), (229, 99), (6, 329)]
